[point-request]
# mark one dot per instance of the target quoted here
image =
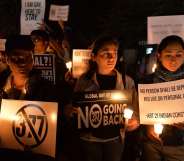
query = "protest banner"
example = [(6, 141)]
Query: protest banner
[(159, 27), (29, 125), (32, 15), (80, 61), (161, 102), (101, 108), (45, 63), (58, 12)]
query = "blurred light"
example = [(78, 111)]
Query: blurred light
[(69, 65), (53, 117), (128, 113), (158, 128), (154, 67), (117, 96), (149, 50)]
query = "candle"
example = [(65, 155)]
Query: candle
[(127, 115), (158, 128), (69, 65)]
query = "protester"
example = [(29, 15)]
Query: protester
[(42, 41), (170, 144), (21, 82), (105, 144)]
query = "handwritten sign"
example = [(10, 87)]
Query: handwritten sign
[(161, 26), (32, 15), (80, 61), (45, 63), (101, 108), (29, 125), (161, 102), (58, 12)]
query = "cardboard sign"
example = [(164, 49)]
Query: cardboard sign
[(80, 61), (101, 108), (161, 102), (29, 125), (45, 63), (161, 26), (58, 12), (32, 15)]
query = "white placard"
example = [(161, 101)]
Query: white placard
[(161, 102), (58, 12), (29, 125), (161, 26), (80, 61), (32, 15), (2, 44)]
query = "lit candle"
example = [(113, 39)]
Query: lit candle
[(69, 65), (158, 128), (127, 115), (154, 67)]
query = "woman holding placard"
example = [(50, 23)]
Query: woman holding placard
[(104, 145), (169, 145)]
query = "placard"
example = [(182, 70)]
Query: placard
[(58, 12), (161, 26), (32, 15), (97, 109), (80, 61), (29, 125), (45, 63), (161, 102)]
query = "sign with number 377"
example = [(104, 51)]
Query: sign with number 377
[(29, 125)]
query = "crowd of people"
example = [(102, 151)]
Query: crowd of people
[(20, 81)]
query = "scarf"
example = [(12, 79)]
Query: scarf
[(163, 75)]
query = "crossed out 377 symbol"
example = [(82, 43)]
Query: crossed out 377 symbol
[(30, 126)]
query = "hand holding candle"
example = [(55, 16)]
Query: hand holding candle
[(69, 65), (127, 115), (158, 128)]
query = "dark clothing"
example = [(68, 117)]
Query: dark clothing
[(38, 88), (171, 146), (106, 82), (171, 136)]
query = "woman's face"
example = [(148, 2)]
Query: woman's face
[(172, 57), (106, 59)]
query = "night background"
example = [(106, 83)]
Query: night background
[(89, 18)]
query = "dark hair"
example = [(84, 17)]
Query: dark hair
[(172, 39), (40, 33), (103, 40), (96, 46), (18, 42)]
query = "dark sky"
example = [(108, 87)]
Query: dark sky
[(89, 18), (127, 19)]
